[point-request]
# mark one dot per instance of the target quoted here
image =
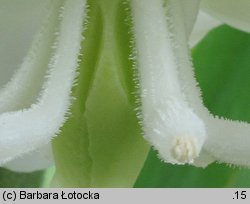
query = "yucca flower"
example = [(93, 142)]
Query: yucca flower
[(91, 71)]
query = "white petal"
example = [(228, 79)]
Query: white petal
[(25, 130), (227, 141), (19, 22), (39, 159), (233, 12), (173, 111), (204, 23), (25, 86), (169, 120)]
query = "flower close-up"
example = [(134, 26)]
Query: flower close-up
[(87, 87)]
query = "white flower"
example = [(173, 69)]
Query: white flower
[(35, 100), (175, 120)]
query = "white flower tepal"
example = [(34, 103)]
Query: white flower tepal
[(175, 120), (169, 121), (27, 124)]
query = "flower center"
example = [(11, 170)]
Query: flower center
[(184, 149)]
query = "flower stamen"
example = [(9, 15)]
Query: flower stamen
[(184, 149)]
